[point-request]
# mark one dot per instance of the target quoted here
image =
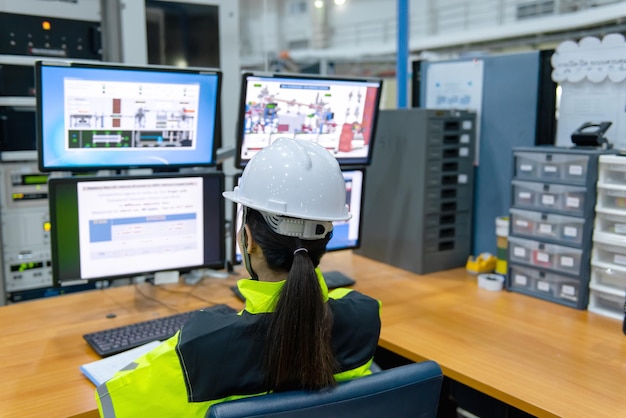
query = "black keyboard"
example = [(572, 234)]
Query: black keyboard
[(333, 279), (115, 340)]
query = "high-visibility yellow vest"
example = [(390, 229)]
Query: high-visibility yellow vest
[(215, 357)]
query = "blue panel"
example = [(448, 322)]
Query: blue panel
[(508, 118), (402, 63)]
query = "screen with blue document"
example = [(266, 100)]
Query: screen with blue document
[(338, 113), (110, 227), (111, 116), (346, 234)]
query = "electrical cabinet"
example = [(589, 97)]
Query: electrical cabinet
[(550, 228), (25, 259), (418, 200)]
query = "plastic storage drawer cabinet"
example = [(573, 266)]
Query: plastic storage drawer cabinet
[(553, 200)]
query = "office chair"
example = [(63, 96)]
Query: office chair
[(406, 391)]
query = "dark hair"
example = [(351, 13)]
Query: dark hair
[(298, 352)]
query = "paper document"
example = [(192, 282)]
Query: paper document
[(100, 371)]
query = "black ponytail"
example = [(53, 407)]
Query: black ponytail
[(298, 349)]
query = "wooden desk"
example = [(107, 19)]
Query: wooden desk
[(543, 358), (546, 359), (41, 344)]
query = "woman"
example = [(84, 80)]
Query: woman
[(293, 332)]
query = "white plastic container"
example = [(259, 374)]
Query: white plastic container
[(612, 169), (608, 275), (606, 301), (611, 197), (608, 250), (611, 222)]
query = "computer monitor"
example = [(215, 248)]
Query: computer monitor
[(93, 116), (126, 226), (346, 234), (338, 113)]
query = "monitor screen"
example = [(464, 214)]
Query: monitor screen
[(338, 113), (346, 234), (111, 227), (110, 116)]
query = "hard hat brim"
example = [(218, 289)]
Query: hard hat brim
[(233, 196)]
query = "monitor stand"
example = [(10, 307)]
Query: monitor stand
[(194, 276), (166, 277)]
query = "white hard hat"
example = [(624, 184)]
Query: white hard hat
[(297, 179)]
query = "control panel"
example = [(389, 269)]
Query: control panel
[(25, 227), (56, 31), (49, 37)]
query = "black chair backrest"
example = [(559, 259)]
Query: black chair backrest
[(406, 391)]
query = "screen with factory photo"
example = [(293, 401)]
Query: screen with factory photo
[(124, 226), (111, 116), (346, 234), (338, 113)]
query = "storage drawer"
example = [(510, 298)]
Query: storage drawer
[(447, 219), (612, 169), (447, 137), (566, 229), (609, 275), (605, 301), (612, 197), (450, 166), (447, 179), (546, 166), (449, 199), (449, 205), (611, 222), (608, 252), (458, 193), (448, 232), (440, 152), (545, 285), (570, 200), (541, 255)]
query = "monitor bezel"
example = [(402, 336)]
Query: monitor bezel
[(55, 240), (217, 130), (234, 213), (344, 162)]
